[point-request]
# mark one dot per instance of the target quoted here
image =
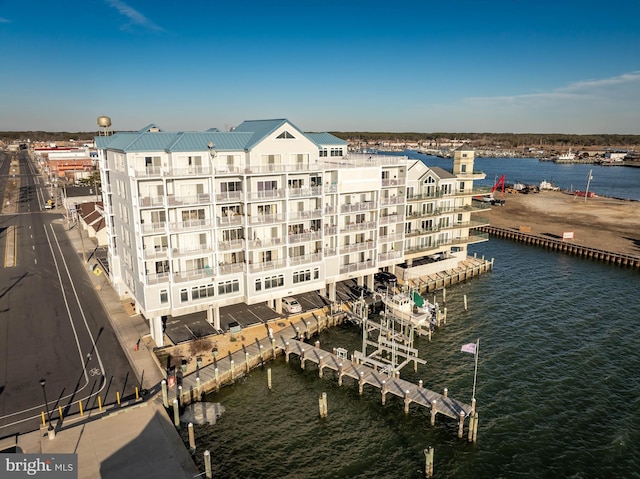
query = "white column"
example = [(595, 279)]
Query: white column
[(155, 328)]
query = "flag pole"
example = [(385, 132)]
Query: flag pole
[(475, 372)]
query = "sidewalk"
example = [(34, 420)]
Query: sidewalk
[(138, 440)]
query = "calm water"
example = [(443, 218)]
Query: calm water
[(614, 181), (558, 385)]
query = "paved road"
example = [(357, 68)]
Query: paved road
[(52, 324)]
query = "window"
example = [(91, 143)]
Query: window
[(305, 275), (285, 135), (164, 296), (190, 215), (323, 153), (463, 168), (230, 186), (184, 295), (336, 151), (228, 287), (203, 291)]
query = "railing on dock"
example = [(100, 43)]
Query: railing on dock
[(620, 259)]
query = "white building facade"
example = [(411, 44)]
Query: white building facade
[(201, 220)]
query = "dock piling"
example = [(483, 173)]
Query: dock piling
[(428, 462)]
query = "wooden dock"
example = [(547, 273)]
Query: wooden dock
[(226, 370), (407, 391), (619, 259)]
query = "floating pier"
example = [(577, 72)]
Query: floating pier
[(620, 259)]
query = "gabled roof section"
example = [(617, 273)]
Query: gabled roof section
[(261, 129), (465, 147), (326, 139), (222, 141), (151, 127), (442, 173)]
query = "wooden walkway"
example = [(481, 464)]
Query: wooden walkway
[(620, 259), (409, 392), (227, 369)]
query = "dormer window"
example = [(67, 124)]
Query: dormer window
[(285, 135)]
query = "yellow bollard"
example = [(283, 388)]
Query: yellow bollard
[(137, 394), (99, 403), (118, 397), (44, 422), (81, 411), (60, 413)]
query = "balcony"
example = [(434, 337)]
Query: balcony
[(365, 225), (392, 200), (352, 268), (258, 243), (304, 192), (390, 238), (303, 215), (191, 225), (157, 252), (148, 172), (362, 246), (150, 228), (267, 266), (234, 220), (265, 219), (393, 218), (231, 268), (364, 206), (265, 195), (393, 182), (181, 277), (304, 237), (305, 259), (198, 199), (157, 278), (230, 245), (390, 256), (330, 230), (203, 170), (150, 201), (228, 196), (193, 251)]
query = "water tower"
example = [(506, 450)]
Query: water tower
[(104, 126)]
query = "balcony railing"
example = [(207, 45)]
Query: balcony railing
[(193, 251), (152, 252), (364, 206), (393, 218), (330, 230), (302, 215), (265, 195), (151, 201), (230, 220), (363, 245), (365, 225), (225, 269), (157, 278), (304, 192), (304, 237), (352, 268), (305, 259), (191, 224), (390, 238), (199, 199), (392, 200), (182, 276), (267, 266), (229, 196), (189, 170), (153, 227), (390, 256), (265, 219), (230, 245)]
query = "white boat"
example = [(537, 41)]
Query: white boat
[(568, 156), (545, 185), (411, 307)]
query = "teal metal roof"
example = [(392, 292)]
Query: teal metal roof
[(244, 137), (325, 139)]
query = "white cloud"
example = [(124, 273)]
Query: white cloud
[(603, 89), (4, 20), (134, 16)]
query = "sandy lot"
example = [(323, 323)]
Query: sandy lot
[(603, 223)]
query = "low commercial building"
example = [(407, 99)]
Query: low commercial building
[(200, 220)]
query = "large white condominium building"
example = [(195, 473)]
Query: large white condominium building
[(200, 220)]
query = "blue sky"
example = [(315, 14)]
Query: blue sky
[(348, 65)]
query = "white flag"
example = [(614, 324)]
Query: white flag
[(469, 348)]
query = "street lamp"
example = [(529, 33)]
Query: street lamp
[(50, 429)]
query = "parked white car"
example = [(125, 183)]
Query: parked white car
[(291, 305)]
